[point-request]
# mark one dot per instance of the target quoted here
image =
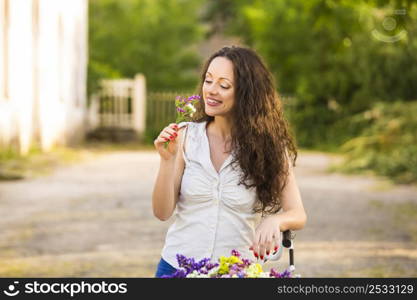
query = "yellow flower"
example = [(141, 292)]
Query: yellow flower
[(254, 270), (235, 260), (226, 262)]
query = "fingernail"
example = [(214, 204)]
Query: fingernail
[(256, 255), (276, 248), (267, 252), (175, 133), (165, 139), (262, 257)]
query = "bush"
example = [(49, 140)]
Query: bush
[(387, 144)]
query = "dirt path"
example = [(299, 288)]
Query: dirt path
[(94, 219)]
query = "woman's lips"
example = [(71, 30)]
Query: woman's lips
[(213, 102)]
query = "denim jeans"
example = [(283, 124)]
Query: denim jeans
[(164, 268)]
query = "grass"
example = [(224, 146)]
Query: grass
[(32, 267), (102, 265), (402, 217), (405, 216), (14, 166), (381, 271), (36, 163), (317, 151), (384, 183)]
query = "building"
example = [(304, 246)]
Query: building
[(43, 73)]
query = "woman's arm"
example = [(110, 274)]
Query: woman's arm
[(293, 215), (167, 186)]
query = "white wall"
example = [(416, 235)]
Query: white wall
[(47, 73)]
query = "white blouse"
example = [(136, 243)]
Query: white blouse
[(213, 214)]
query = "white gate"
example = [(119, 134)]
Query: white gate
[(119, 104)]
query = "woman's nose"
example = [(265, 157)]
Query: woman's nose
[(213, 89)]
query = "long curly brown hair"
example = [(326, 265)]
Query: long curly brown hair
[(260, 134)]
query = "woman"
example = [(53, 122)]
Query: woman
[(229, 170)]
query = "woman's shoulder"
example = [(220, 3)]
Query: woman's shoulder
[(185, 127), (192, 130), (189, 135)]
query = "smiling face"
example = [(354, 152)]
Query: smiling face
[(219, 85)]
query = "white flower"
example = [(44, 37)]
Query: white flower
[(195, 274), (213, 271), (191, 106), (264, 275)]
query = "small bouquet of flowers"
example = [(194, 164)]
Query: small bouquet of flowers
[(185, 109), (233, 266)]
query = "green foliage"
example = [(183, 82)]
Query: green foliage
[(154, 37), (387, 143), (325, 54)]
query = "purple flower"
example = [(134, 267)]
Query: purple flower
[(246, 262), (189, 265), (202, 263), (235, 253), (210, 266), (192, 98), (241, 274), (177, 274), (285, 274)]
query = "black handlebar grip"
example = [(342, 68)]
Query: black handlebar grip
[(286, 239), (291, 257)]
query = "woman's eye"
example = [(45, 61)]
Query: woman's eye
[(224, 87)]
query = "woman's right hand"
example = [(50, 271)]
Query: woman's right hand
[(170, 134)]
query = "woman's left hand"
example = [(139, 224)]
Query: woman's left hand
[(267, 237)]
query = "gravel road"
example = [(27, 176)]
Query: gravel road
[(94, 219)]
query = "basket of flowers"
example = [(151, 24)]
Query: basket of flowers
[(234, 266)]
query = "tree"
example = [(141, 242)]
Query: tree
[(153, 37), (324, 52)]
